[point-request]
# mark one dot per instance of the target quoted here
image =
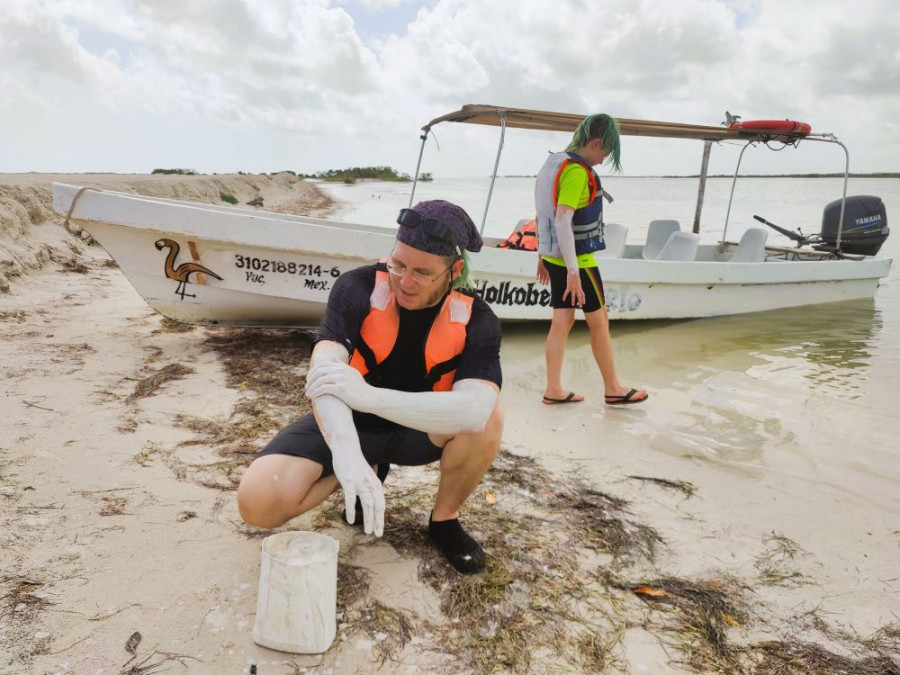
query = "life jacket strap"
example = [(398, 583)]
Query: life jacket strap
[(441, 369), (588, 230), (368, 357)]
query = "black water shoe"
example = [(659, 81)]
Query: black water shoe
[(458, 547)]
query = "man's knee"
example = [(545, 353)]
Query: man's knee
[(257, 505), (264, 496)]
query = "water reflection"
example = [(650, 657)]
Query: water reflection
[(836, 339), (829, 345), (737, 390)]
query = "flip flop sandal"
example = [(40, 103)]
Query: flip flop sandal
[(568, 399), (626, 399)]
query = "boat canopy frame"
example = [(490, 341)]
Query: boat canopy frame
[(522, 118)]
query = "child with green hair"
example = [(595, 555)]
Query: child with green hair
[(569, 216), (604, 128)]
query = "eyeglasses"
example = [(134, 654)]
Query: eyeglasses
[(432, 226), (400, 270)]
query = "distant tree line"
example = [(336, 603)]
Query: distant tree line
[(180, 172), (350, 175), (356, 173)]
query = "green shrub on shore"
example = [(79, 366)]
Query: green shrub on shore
[(226, 197), (180, 172)]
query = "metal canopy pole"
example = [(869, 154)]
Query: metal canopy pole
[(831, 138), (412, 193), (707, 146), (837, 245), (494, 174), (826, 138), (731, 196)]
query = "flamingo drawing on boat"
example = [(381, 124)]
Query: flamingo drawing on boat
[(183, 272)]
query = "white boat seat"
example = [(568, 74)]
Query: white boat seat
[(658, 234), (752, 246), (614, 235), (680, 246)]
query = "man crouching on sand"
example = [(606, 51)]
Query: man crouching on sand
[(405, 369)]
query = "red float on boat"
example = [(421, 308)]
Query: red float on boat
[(776, 126)]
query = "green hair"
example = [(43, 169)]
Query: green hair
[(603, 127), (463, 281)]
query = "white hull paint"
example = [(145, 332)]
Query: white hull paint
[(278, 269)]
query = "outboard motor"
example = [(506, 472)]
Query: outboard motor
[(865, 225)]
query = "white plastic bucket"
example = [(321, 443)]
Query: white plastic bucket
[(295, 609)]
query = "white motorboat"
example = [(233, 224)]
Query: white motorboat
[(207, 264)]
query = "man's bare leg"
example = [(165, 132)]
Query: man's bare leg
[(465, 460), (276, 488)]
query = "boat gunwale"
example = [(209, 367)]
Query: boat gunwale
[(628, 269)]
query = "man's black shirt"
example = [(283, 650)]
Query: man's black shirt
[(404, 368)]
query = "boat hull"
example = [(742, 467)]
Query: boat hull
[(261, 268)]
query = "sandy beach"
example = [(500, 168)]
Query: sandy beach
[(615, 546)]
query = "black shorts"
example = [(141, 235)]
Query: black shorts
[(399, 445), (591, 284)]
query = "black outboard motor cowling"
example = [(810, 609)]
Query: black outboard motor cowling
[(865, 225)]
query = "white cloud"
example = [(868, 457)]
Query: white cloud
[(383, 4), (299, 76)]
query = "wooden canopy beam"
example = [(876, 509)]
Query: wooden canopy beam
[(520, 118)]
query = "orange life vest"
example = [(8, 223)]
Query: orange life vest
[(443, 347), (523, 238)]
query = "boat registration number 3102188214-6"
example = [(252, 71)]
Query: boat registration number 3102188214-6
[(315, 276)]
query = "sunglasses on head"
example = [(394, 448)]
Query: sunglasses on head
[(433, 227)]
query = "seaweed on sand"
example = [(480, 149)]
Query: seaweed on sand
[(699, 614), (773, 565), (20, 600), (777, 657), (268, 366), (270, 362), (547, 600), (683, 486), (537, 600), (149, 385)]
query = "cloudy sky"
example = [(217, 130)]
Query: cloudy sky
[(265, 85)]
